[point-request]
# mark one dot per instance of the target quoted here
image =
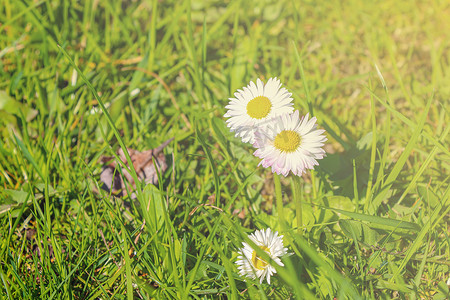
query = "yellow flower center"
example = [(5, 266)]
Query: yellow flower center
[(257, 261), (259, 107), (287, 141)]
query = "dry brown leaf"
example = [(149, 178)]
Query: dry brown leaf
[(143, 164)]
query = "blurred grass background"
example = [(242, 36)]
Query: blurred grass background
[(165, 69)]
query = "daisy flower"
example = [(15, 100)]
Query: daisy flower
[(293, 144), (255, 105), (251, 264)]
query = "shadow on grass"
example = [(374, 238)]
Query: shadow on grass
[(339, 169)]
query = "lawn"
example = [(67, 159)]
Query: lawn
[(88, 88)]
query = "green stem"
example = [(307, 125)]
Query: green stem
[(313, 183), (298, 203), (279, 199)]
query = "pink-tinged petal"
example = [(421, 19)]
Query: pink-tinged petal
[(301, 159)]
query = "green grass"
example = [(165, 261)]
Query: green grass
[(375, 212)]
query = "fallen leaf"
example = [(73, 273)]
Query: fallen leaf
[(142, 163)]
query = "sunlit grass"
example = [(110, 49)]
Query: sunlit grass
[(374, 212)]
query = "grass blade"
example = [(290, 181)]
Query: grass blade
[(401, 161)]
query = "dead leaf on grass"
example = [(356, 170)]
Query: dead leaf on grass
[(143, 164)]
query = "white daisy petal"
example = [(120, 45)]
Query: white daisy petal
[(260, 87), (272, 87), (250, 264), (256, 105), (293, 145)]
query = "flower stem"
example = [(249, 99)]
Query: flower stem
[(279, 199), (298, 203)]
